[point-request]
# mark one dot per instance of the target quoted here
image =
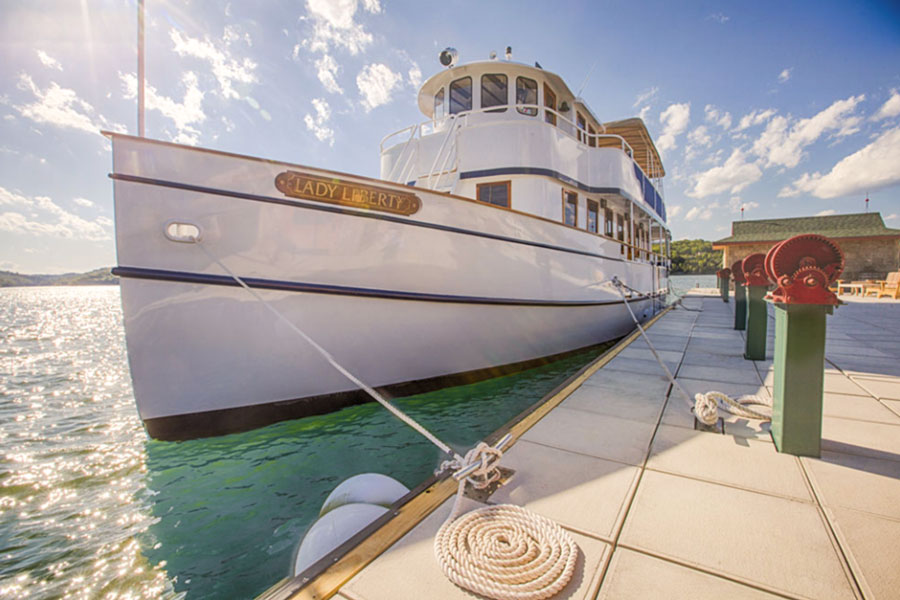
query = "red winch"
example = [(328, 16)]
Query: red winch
[(738, 273), (754, 270), (803, 267), (723, 273)]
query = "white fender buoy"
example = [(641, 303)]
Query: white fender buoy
[(365, 488), (332, 530)]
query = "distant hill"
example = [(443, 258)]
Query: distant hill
[(96, 277), (695, 257)]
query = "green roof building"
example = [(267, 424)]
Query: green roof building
[(871, 250)]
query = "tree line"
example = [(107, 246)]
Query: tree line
[(695, 257)]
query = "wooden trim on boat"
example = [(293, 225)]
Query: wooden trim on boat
[(334, 570)]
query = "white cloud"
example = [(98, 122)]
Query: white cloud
[(733, 176), (643, 114), (873, 167), (327, 72), (48, 61), (700, 137), (785, 75), (720, 18), (334, 25), (318, 124), (83, 202), (891, 108), (184, 114), (51, 219), (233, 34), (826, 213), (783, 146), (757, 117), (675, 119), (736, 204), (674, 210), (375, 83), (645, 96), (720, 118), (891, 217), (415, 76), (227, 70), (704, 213), (61, 107)]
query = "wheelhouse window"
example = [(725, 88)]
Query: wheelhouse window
[(592, 216), (570, 208), (526, 93), (608, 222), (582, 126), (592, 137), (494, 91), (549, 102), (461, 95), (439, 110), (497, 193)]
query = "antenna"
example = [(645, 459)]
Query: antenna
[(586, 77), (742, 212), (867, 201), (140, 68)]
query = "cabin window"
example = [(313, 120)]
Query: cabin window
[(526, 93), (608, 222), (592, 215), (494, 92), (620, 232), (496, 193), (549, 102), (592, 137), (439, 111), (461, 95), (582, 126), (570, 208)]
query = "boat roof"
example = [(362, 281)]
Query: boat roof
[(633, 130)]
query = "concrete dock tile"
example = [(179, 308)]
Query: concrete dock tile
[(637, 576), (857, 407), (676, 344), (644, 405), (717, 348), (857, 482), (677, 412), (580, 492), (841, 384), (894, 405), (861, 438), (592, 434), (870, 543), (409, 571), (745, 374), (670, 356), (694, 357), (618, 382), (742, 535), (866, 365), (728, 460), (880, 388), (640, 366)]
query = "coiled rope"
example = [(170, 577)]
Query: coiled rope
[(704, 406), (504, 551)]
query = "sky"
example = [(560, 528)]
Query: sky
[(782, 108)]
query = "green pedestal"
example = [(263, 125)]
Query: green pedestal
[(757, 322), (740, 307), (723, 288), (799, 374)]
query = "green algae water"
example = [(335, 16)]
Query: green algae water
[(90, 507)]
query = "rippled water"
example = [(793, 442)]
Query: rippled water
[(90, 507)]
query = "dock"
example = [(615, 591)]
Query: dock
[(661, 510)]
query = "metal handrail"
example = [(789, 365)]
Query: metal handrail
[(412, 136)]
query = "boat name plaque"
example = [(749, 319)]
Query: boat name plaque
[(335, 191)]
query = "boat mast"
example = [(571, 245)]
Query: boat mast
[(140, 68)]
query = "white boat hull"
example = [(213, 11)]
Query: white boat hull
[(458, 287)]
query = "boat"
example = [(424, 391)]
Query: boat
[(486, 245)]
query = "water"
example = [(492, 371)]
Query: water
[(90, 507), (683, 283)]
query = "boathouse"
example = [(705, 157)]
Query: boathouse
[(871, 250)]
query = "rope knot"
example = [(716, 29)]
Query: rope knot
[(706, 409)]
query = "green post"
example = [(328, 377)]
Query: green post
[(723, 288), (799, 373), (740, 307), (757, 323)]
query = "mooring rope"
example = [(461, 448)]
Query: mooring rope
[(504, 551), (704, 406)]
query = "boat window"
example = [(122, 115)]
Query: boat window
[(620, 232), (496, 192), (592, 210), (549, 102), (494, 92), (439, 105), (526, 93), (570, 208), (461, 95), (608, 222), (592, 137), (582, 125)]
